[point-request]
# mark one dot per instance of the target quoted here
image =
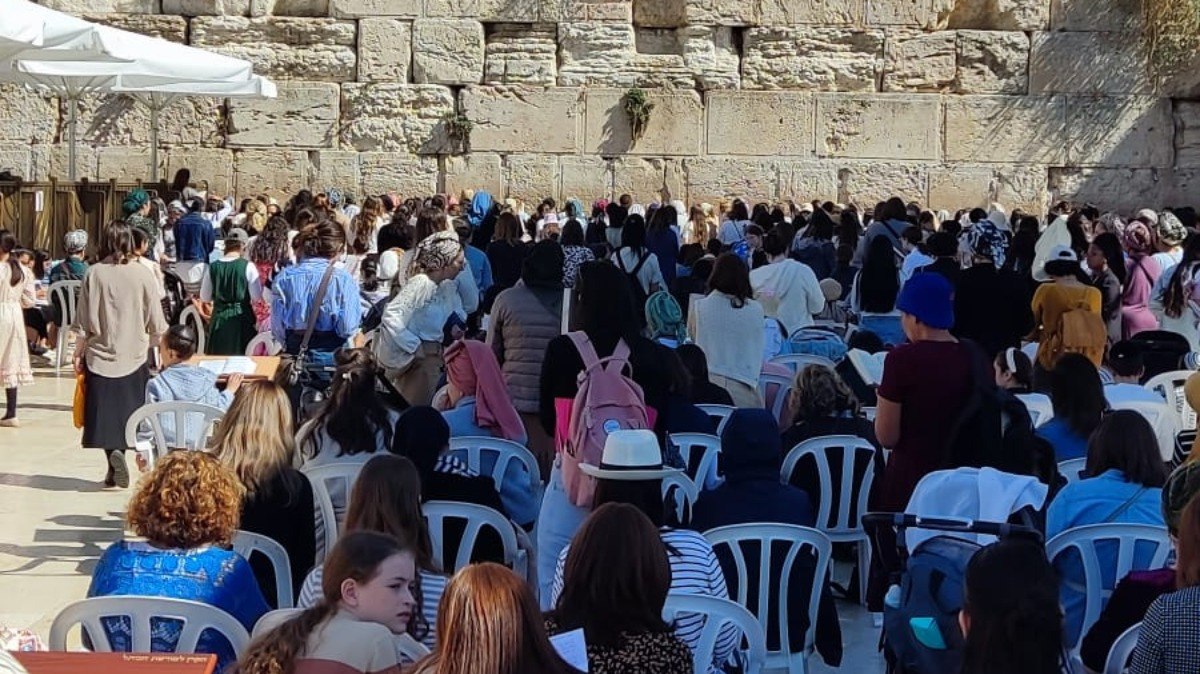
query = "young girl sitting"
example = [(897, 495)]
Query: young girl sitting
[(366, 599), (181, 381)]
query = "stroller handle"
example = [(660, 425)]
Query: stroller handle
[(900, 521)]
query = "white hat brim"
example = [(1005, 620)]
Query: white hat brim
[(628, 475)]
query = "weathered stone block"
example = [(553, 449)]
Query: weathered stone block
[(335, 168), (120, 120), (1187, 134), (514, 10), (363, 9), (78, 7), (520, 53), (818, 12), (660, 13), (127, 164), (1022, 186), (27, 117), (715, 179), (18, 161), (475, 171), (592, 52), (173, 28), (1089, 63), (531, 177), (304, 115), (207, 7), (1006, 129), (875, 182), (384, 172), (384, 50), (54, 161), (1110, 189), (395, 117), (279, 173), (1096, 15), (1130, 131), (452, 9), (898, 12), (879, 127), (211, 164), (960, 186), (447, 51), (724, 12), (919, 61), (521, 120), (992, 62), (647, 177), (710, 54), (289, 7), (1025, 15), (675, 125), (823, 59), (805, 181), (286, 48), (760, 123), (584, 178)]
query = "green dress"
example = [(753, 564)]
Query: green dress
[(232, 324)]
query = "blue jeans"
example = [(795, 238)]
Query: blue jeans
[(888, 328), (557, 523)]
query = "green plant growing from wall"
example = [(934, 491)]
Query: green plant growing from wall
[(458, 129), (637, 107), (1173, 32)]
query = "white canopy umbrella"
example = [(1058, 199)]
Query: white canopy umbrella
[(28, 30)]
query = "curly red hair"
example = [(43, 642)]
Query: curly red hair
[(189, 499)]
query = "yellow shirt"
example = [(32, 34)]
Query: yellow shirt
[(1050, 302)]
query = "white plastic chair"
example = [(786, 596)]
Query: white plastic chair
[(265, 342), (718, 413), (682, 494), (783, 392), (195, 616), (1122, 651), (1163, 420), (327, 521), (1030, 350), (246, 543), (1169, 385), (842, 526), (798, 361), (1039, 406), (761, 537), (709, 446), (477, 517), (1083, 540), (272, 619), (471, 450), (191, 316), (182, 412), (718, 613), (65, 295), (1072, 469)]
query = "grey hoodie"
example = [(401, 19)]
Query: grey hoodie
[(185, 383)]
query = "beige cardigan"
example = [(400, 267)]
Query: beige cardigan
[(119, 312)]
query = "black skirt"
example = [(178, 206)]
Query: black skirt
[(108, 404)]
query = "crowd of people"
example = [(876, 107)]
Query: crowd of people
[(1013, 341)]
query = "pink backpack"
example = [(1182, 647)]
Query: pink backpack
[(607, 401)]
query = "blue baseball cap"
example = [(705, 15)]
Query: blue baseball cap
[(929, 298)]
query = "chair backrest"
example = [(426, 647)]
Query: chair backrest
[(1039, 407), (1030, 350), (853, 490), (773, 584), (718, 413), (1122, 651), (476, 518), (65, 295), (1169, 385), (700, 452), (320, 477), (680, 493), (184, 421), (263, 344), (472, 450), (191, 316), (1163, 420), (781, 387), (1127, 537), (271, 620), (1072, 469), (718, 613), (195, 616), (799, 361), (246, 543)]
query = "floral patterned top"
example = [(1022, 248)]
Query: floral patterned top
[(646, 653)]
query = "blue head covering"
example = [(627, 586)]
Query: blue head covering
[(664, 317), (929, 298), (481, 203), (751, 445)]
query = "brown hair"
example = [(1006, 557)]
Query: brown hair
[(189, 499), (818, 393), (489, 623), (430, 221), (254, 438), (508, 227), (1187, 553), (730, 276), (116, 242), (387, 498), (363, 226), (356, 556), (608, 595), (320, 239)]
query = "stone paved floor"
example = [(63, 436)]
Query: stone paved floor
[(55, 520)]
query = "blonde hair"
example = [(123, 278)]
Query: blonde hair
[(254, 438)]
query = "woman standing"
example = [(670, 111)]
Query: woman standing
[(118, 314), (727, 324), (1175, 305), (1106, 265), (876, 287), (16, 293), (507, 254), (575, 252), (233, 287), (1063, 294), (663, 241), (295, 289), (636, 261), (1141, 272)]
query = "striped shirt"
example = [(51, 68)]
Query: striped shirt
[(694, 570), (432, 586)]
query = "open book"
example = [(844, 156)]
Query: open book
[(868, 365), (231, 365)]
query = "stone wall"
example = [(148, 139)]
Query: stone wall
[(950, 102)]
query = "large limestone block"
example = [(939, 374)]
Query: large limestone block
[(675, 127), (870, 183), (335, 168), (724, 12), (278, 173), (879, 126), (817, 12), (210, 164), (1022, 186), (646, 178), (898, 12), (1182, 186), (383, 172), (523, 11), (822, 59), (960, 186), (992, 62), (79, 7), (173, 28), (660, 13), (18, 161), (591, 53), (451, 9), (207, 7), (127, 164), (523, 120), (363, 9), (585, 178), (395, 117), (713, 179), (766, 123), (283, 47), (531, 177), (1089, 63), (475, 171), (289, 7), (520, 53), (1097, 15), (1025, 15), (54, 161), (1129, 131), (712, 56), (1187, 134), (447, 51), (1110, 189), (619, 11), (384, 50), (305, 114), (120, 120), (27, 117), (1006, 129), (919, 61), (808, 180)]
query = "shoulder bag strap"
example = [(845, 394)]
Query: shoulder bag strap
[(587, 352), (1124, 506), (315, 310), (641, 263)]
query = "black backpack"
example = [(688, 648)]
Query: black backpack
[(994, 430), (635, 286)]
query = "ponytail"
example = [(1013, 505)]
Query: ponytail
[(8, 244), (1175, 297), (277, 651)]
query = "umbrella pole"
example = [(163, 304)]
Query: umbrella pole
[(154, 108), (73, 102)]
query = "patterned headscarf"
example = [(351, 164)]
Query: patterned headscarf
[(1138, 238), (75, 241), (1169, 229), (435, 252), (985, 239), (1111, 222), (134, 201), (664, 317)]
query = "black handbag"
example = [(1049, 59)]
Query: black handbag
[(292, 369)]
